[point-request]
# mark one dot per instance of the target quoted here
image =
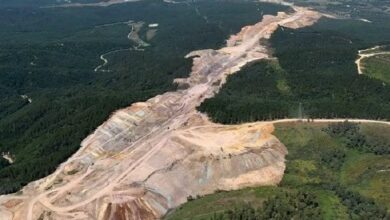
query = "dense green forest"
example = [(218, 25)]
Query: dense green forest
[(48, 56), (315, 76), (356, 9), (325, 178)]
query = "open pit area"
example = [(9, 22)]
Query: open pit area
[(150, 157)]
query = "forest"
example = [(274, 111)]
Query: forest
[(43, 3), (355, 9), (314, 76), (50, 96)]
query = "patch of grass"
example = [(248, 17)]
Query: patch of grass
[(376, 132), (331, 205), (207, 206), (370, 175), (365, 173), (378, 67), (301, 172)]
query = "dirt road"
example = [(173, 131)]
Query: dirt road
[(363, 54), (322, 120), (132, 36)]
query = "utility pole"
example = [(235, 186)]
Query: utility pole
[(300, 111)]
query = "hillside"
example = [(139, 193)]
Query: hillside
[(214, 110), (315, 76), (49, 55), (326, 177), (150, 157)]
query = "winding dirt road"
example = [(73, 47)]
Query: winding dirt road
[(132, 36), (363, 54)]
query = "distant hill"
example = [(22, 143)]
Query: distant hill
[(40, 3)]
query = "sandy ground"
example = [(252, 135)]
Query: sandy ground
[(8, 157), (25, 97), (148, 158)]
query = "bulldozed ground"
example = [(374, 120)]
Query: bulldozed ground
[(316, 161), (70, 99), (150, 157), (153, 156)]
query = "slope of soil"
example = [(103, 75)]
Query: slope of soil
[(151, 156), (48, 56), (319, 164)]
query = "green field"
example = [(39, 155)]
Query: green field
[(378, 67), (344, 182)]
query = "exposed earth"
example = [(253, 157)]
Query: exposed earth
[(149, 157), (152, 156)]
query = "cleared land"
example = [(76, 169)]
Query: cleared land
[(153, 156), (319, 163), (134, 164), (69, 99)]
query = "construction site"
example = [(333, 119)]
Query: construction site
[(150, 157)]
